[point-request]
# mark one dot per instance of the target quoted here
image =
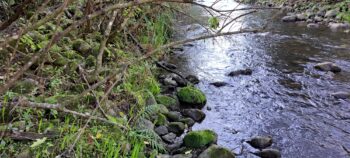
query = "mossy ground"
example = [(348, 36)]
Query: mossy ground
[(57, 79)]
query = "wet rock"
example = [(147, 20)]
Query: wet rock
[(241, 72), (215, 151), (173, 115), (166, 64), (169, 138), (321, 13), (188, 121), (168, 81), (327, 66), (341, 95), (301, 17), (174, 146), (198, 139), (168, 102), (219, 84), (289, 18), (176, 127), (191, 96), (313, 25), (193, 79), (196, 114), (338, 26), (161, 130), (318, 19), (177, 49), (208, 108), (268, 153), (178, 79), (331, 13), (260, 142)]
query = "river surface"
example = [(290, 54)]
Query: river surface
[(285, 97)]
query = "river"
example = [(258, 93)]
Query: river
[(285, 97)]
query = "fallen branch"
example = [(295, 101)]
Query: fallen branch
[(15, 135)]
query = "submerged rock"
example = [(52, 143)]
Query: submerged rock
[(215, 151), (260, 142), (191, 96), (219, 84), (328, 66), (268, 153), (313, 25), (176, 127), (193, 79), (196, 114), (198, 139), (241, 72), (341, 95)]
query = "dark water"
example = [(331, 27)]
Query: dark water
[(285, 97)]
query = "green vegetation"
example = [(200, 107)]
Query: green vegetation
[(166, 100), (198, 139), (66, 76)]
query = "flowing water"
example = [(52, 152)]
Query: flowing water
[(285, 97)]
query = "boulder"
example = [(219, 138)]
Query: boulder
[(215, 151), (178, 79), (169, 138), (241, 72), (331, 13), (328, 66), (196, 114), (219, 84), (198, 139), (167, 101), (161, 120), (260, 142), (176, 127), (188, 121), (301, 17), (268, 153), (193, 79), (161, 130), (191, 96), (338, 26), (341, 95), (169, 82), (173, 115), (318, 19), (289, 18)]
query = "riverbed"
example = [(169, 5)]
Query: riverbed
[(285, 97)]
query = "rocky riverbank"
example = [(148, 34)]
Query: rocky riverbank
[(181, 105), (336, 16)]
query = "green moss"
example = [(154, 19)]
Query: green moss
[(198, 139), (161, 120), (166, 100), (191, 95), (81, 46), (24, 87), (215, 151), (90, 61), (71, 54)]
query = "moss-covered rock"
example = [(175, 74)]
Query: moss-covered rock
[(169, 102), (82, 47), (191, 96), (72, 54), (90, 61), (176, 127), (215, 151), (161, 120), (198, 139)]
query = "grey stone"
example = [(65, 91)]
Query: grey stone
[(193, 79), (328, 66), (318, 19), (219, 84), (170, 82), (173, 115), (169, 138), (338, 26), (196, 114), (176, 127), (241, 72), (301, 17), (289, 18), (161, 130), (331, 13), (268, 153), (188, 121), (260, 142), (313, 25)]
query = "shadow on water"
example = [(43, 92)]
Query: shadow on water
[(285, 97)]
